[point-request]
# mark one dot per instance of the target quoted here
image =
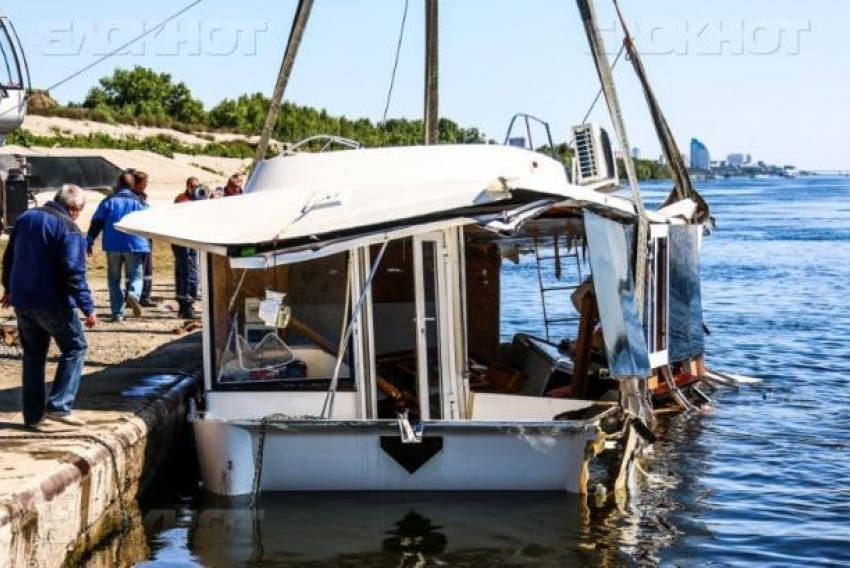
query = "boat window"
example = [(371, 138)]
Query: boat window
[(394, 329), (655, 322), (521, 312), (431, 366), (279, 329), (686, 334)]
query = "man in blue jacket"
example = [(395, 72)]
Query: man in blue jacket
[(44, 277), (123, 252)]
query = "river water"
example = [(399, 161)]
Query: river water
[(761, 479)]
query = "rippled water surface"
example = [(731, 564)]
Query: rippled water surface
[(760, 480)]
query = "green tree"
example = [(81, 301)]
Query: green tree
[(144, 94), (246, 113)]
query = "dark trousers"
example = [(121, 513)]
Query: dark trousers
[(36, 328), (147, 286), (186, 274)]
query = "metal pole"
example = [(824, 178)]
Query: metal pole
[(432, 73), (633, 393), (296, 34), (328, 405), (606, 77)]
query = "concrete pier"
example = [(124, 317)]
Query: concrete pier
[(64, 489)]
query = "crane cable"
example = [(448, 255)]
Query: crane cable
[(156, 29), (121, 48), (599, 94), (397, 57), (682, 185)]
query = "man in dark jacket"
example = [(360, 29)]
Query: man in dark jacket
[(44, 277), (123, 252), (186, 261)]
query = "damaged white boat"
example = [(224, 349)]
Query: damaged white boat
[(352, 323), (363, 378)]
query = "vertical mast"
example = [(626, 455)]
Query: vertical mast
[(633, 392), (299, 24), (606, 77), (432, 75)]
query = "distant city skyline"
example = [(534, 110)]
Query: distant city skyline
[(770, 77)]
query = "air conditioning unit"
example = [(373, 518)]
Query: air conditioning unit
[(594, 162)]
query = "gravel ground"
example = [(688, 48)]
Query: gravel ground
[(110, 344)]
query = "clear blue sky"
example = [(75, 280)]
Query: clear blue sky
[(766, 77)]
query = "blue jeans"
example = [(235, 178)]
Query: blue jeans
[(36, 327), (133, 265), (147, 287), (186, 274)]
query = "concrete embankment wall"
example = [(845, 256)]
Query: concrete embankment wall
[(62, 489)]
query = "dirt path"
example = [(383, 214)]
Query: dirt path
[(110, 344)]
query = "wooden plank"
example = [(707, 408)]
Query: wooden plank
[(584, 344)]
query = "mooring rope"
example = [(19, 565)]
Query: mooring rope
[(259, 457)]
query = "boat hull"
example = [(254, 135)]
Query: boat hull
[(369, 456)]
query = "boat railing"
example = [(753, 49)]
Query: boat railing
[(528, 142), (328, 141)]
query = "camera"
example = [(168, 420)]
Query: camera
[(202, 192)]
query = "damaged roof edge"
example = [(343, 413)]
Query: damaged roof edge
[(304, 200)]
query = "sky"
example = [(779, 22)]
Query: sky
[(766, 77)]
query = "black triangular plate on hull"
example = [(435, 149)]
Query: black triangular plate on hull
[(411, 456)]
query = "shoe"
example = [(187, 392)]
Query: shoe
[(35, 427), (148, 303), (188, 313), (117, 319), (68, 419), (134, 304)]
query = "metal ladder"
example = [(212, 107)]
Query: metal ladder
[(545, 290)]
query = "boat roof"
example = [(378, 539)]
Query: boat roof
[(306, 199)]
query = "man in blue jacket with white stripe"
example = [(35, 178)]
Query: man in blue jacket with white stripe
[(44, 277), (123, 251)]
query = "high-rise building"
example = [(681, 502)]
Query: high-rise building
[(636, 153), (700, 157), (736, 160)]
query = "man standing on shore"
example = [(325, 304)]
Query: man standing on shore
[(123, 251), (186, 262), (44, 277)]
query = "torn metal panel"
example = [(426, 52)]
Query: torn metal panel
[(686, 335), (611, 260)]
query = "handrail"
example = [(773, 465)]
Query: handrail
[(528, 119), (330, 141)]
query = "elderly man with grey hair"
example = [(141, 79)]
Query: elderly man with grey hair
[(44, 277)]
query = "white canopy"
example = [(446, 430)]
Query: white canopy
[(312, 197)]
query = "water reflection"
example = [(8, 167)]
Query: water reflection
[(393, 529)]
